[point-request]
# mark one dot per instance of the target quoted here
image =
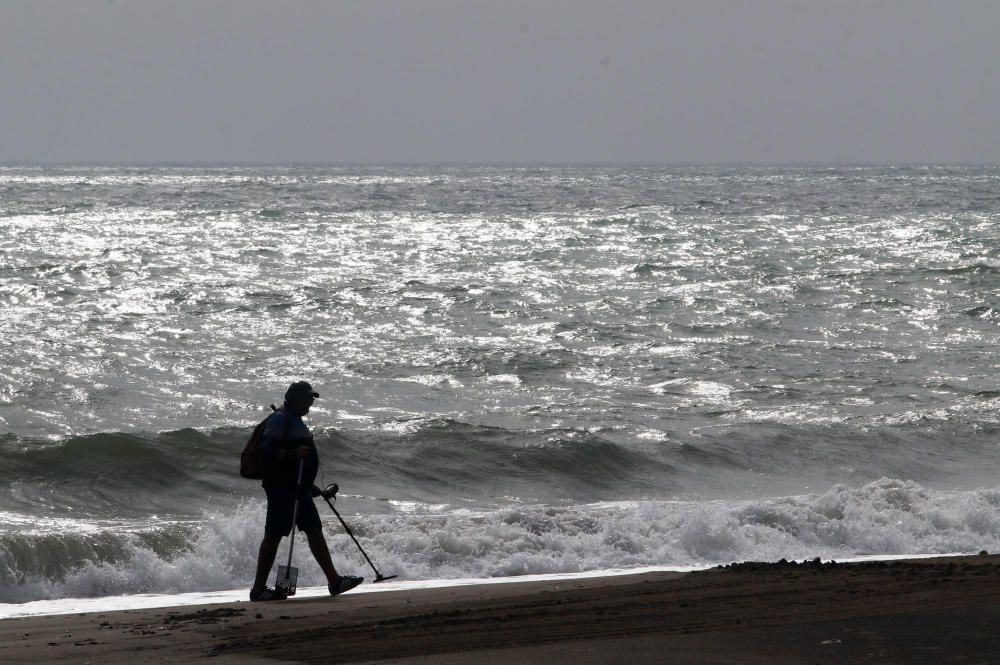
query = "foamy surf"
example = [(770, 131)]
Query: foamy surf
[(438, 543)]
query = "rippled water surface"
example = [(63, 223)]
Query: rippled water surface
[(143, 298)]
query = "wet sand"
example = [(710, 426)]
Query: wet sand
[(932, 611)]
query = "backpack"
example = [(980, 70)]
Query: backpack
[(249, 466)]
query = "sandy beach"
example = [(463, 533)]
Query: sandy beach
[(942, 610)]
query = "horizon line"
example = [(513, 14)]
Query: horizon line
[(499, 163)]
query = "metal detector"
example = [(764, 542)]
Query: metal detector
[(331, 492), (288, 576)]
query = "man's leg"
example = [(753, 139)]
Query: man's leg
[(317, 545), (265, 559), (277, 524)]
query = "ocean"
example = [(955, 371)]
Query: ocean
[(522, 370)]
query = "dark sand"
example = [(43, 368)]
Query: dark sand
[(914, 612)]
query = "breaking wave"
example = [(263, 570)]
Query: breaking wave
[(419, 541)]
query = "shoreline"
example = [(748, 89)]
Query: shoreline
[(913, 611), (104, 604)]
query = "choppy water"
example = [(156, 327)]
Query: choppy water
[(523, 370)]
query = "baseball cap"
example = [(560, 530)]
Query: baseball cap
[(300, 388)]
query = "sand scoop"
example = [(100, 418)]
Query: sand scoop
[(288, 576)]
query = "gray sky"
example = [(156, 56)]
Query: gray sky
[(501, 81)]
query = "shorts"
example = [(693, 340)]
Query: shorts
[(279, 514)]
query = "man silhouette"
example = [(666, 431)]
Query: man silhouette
[(285, 443)]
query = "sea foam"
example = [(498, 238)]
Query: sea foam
[(884, 518)]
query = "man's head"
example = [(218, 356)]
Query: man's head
[(299, 397)]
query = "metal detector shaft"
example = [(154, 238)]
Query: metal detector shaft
[(378, 576)]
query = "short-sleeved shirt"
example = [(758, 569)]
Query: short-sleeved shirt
[(285, 431)]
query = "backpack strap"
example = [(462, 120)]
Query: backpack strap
[(288, 422)]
